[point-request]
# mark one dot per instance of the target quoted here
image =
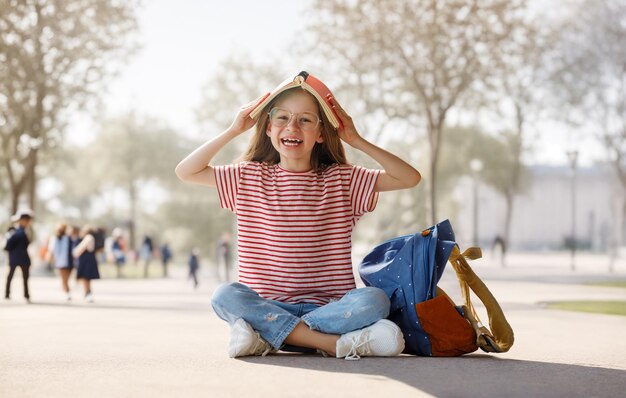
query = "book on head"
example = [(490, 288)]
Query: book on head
[(309, 83)]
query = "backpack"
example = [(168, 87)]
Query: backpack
[(408, 269)]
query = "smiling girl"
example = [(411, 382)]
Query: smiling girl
[(297, 200)]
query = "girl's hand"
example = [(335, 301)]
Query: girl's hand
[(243, 122), (348, 132)]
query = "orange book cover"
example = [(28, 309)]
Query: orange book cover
[(310, 83)]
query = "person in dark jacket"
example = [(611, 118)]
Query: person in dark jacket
[(194, 264), (147, 248), (166, 256), (17, 246)]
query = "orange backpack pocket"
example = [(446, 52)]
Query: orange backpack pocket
[(449, 333)]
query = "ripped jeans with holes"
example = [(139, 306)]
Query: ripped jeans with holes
[(275, 320)]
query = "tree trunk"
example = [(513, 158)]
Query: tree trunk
[(514, 181), (32, 182), (16, 185), (15, 200), (508, 216)]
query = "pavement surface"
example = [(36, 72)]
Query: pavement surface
[(159, 338)]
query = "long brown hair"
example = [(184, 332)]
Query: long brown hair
[(324, 154)]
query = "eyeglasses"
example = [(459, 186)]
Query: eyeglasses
[(307, 121)]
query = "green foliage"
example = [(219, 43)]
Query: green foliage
[(416, 60), (130, 156), (598, 307), (462, 144), (612, 283), (129, 149), (193, 217)]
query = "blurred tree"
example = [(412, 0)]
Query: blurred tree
[(498, 154), (400, 213), (500, 157), (236, 82), (519, 89), (590, 76), (127, 153), (418, 58), (55, 56), (78, 183)]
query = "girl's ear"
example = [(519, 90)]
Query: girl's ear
[(320, 138)]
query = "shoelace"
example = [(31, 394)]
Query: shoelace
[(359, 343), (261, 347)]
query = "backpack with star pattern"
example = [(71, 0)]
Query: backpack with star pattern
[(408, 269)]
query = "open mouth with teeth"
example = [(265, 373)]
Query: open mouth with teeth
[(291, 141)]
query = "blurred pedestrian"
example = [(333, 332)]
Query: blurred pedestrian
[(166, 256), (74, 236), (224, 255), (499, 248), (60, 255), (87, 261), (194, 265), (118, 249), (17, 246), (145, 253)]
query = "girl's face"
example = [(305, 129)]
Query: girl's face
[(295, 140)]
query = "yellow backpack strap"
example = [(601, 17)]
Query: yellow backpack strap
[(500, 338)]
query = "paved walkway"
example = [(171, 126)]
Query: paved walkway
[(159, 338)]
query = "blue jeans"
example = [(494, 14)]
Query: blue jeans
[(275, 320)]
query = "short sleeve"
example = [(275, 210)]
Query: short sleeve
[(227, 184), (363, 199)]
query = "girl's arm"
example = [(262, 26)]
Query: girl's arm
[(50, 254), (195, 167), (397, 173), (88, 243)]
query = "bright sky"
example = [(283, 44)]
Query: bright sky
[(184, 41), (182, 44)]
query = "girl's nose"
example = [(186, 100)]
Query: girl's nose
[(293, 122)]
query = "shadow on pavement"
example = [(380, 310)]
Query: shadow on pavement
[(474, 375), (186, 307)]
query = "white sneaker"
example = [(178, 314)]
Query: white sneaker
[(382, 339), (246, 341), (89, 298)]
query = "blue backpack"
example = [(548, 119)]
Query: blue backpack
[(408, 269)]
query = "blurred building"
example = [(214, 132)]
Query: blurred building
[(542, 216)]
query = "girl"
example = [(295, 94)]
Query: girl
[(60, 254), (297, 199), (85, 252)]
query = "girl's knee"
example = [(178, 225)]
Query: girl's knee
[(376, 301), (225, 293)]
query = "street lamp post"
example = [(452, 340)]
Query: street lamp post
[(476, 165), (573, 160)]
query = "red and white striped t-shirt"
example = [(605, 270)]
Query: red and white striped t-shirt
[(295, 229)]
